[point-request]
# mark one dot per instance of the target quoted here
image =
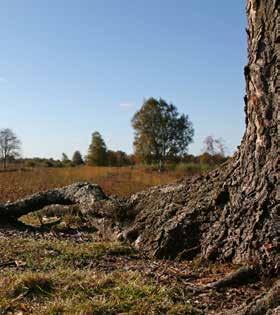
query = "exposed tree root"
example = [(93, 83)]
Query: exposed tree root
[(83, 194), (268, 304), (242, 276)]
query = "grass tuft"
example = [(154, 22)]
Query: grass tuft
[(33, 285)]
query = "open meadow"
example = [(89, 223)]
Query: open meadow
[(121, 181)]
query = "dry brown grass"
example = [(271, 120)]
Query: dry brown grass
[(120, 181)]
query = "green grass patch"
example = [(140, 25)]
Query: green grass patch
[(72, 291), (44, 255)]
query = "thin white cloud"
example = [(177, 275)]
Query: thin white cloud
[(2, 79), (126, 105)]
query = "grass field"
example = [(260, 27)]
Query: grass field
[(52, 276), (49, 272), (120, 181), (70, 268)]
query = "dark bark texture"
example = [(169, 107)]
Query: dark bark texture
[(232, 214)]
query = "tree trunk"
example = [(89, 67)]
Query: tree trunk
[(233, 213)]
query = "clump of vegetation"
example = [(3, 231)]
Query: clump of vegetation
[(97, 152), (77, 158), (33, 285)]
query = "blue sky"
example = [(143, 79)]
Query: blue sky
[(69, 67)]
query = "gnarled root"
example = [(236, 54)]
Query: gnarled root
[(83, 194), (241, 276), (268, 304)]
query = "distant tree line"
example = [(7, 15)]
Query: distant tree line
[(162, 136)]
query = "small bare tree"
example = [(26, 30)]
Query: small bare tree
[(220, 146), (9, 146), (214, 146)]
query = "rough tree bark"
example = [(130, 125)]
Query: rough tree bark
[(233, 213)]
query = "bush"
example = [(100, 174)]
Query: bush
[(189, 168)]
